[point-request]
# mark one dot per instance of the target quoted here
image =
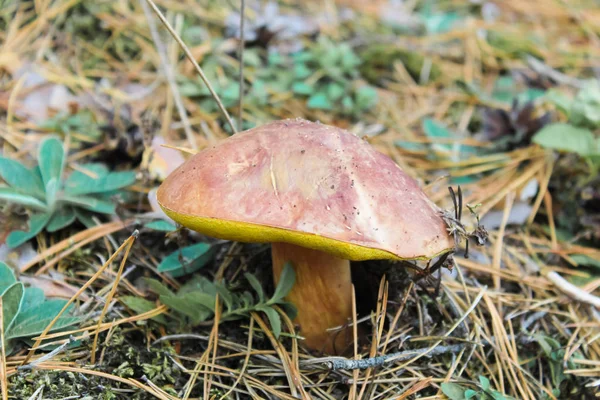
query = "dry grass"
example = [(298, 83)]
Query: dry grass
[(493, 311)]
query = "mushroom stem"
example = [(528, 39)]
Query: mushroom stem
[(322, 293)]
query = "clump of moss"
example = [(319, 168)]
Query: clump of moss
[(124, 355)]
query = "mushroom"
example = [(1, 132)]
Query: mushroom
[(322, 197)]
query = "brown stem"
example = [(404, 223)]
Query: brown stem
[(322, 294)]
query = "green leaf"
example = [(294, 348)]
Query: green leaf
[(560, 100), (21, 178), (11, 304), (81, 183), (33, 297), (195, 305), (566, 137), (319, 101), (13, 196), (51, 190), (35, 320), (37, 222), (453, 390), (51, 158), (91, 204), (226, 296), (286, 282), (585, 110), (366, 97), (484, 382), (335, 91), (142, 306), (84, 217), (256, 286), (157, 287), (7, 277), (470, 393), (274, 319), (583, 259), (60, 219), (187, 259), (302, 88), (161, 225)]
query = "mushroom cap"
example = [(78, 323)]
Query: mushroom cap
[(308, 184)]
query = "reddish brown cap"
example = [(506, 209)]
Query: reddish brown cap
[(309, 184)]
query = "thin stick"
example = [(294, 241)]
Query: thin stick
[(352, 395), (241, 57), (3, 362), (189, 55), (166, 66), (573, 291)]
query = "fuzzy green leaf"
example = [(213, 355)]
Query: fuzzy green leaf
[(37, 222), (470, 393), (85, 217), (583, 259), (91, 204), (80, 183), (187, 259), (161, 226), (21, 178), (32, 297), (7, 277), (157, 287), (274, 319), (256, 286), (195, 305), (286, 282), (51, 158), (141, 306), (453, 390), (61, 219), (226, 296), (13, 196), (11, 304), (566, 137), (484, 382), (319, 101), (35, 320), (302, 88)]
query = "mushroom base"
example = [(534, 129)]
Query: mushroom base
[(322, 294)]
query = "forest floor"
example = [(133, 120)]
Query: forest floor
[(501, 98)]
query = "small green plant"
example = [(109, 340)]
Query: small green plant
[(577, 134), (454, 391), (26, 312), (56, 202), (326, 75), (195, 301)]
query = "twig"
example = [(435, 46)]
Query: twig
[(335, 363), (573, 291), (48, 356), (241, 57), (190, 56), (166, 66), (543, 69)]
